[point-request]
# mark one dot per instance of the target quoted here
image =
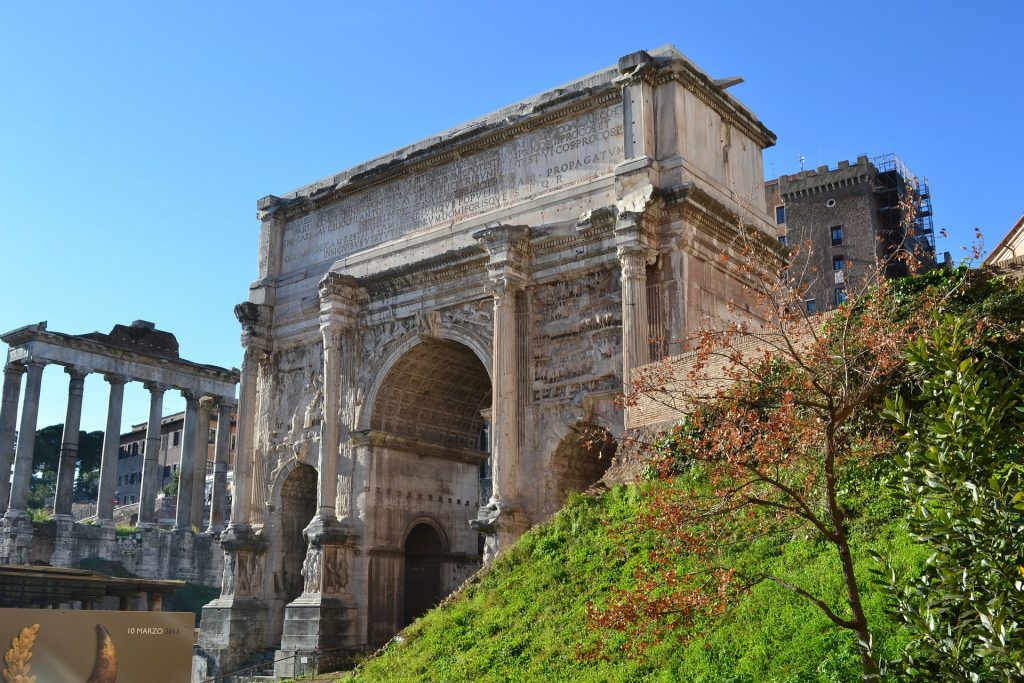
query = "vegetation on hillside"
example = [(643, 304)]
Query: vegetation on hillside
[(644, 583)]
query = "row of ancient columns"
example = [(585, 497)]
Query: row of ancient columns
[(192, 468)]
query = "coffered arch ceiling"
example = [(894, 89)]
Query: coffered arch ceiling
[(434, 393)]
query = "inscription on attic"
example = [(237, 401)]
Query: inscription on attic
[(566, 153)]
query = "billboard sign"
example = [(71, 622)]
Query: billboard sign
[(95, 646)]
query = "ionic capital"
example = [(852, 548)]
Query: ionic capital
[(156, 387), (206, 403), (191, 397), (77, 374), (14, 368), (114, 378)]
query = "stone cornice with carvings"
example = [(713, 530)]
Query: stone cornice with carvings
[(425, 273), (705, 90), (473, 140), (379, 439)]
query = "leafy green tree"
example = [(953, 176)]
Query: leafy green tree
[(46, 463), (962, 477)]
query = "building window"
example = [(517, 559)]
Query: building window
[(133, 499), (213, 435), (838, 262), (837, 235), (812, 306), (840, 296), (177, 438), (780, 214), (163, 442), (783, 240), (232, 442)]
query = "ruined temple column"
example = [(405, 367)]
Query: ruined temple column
[(22, 479), (8, 424), (219, 499), (151, 459), (69, 444), (111, 443), (206, 404), (502, 520), (187, 466), (241, 502)]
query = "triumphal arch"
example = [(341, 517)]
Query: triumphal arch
[(431, 331)]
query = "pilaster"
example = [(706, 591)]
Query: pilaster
[(635, 251)]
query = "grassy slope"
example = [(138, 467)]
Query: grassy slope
[(526, 618)]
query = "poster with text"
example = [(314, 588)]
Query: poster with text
[(95, 646)]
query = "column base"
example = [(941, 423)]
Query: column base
[(319, 629), (233, 629)]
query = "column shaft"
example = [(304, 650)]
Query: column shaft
[(69, 444), (327, 481), (218, 502), (636, 341), (26, 442), (505, 401), (241, 501), (202, 457), (111, 443), (8, 426), (187, 467), (151, 459)]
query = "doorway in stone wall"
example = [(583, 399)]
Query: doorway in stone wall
[(423, 553), (298, 505)]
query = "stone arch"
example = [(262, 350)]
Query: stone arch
[(297, 507), (407, 343), (580, 459), (434, 391)]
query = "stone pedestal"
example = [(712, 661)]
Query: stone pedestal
[(234, 625), (321, 622), (15, 539), (64, 541)]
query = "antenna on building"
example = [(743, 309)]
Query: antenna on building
[(801, 158)]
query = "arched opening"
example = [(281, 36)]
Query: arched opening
[(298, 505), (580, 460), (436, 392), (423, 554), (427, 431)]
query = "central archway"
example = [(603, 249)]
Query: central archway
[(428, 438)]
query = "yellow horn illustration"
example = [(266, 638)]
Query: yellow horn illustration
[(105, 668)]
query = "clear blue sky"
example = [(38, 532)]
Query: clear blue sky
[(136, 137)]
